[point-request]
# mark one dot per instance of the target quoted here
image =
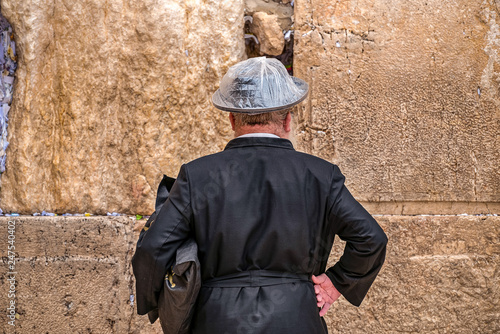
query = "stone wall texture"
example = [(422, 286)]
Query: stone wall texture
[(112, 94), (440, 276), (74, 276), (404, 97)]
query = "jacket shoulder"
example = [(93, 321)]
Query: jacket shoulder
[(290, 157), (207, 160)]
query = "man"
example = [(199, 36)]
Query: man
[(264, 217)]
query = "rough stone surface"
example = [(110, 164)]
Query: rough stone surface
[(269, 34), (432, 208), (283, 10), (441, 276), (74, 276), (110, 95), (404, 96)]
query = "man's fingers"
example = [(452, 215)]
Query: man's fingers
[(324, 309), (318, 279), (326, 293)]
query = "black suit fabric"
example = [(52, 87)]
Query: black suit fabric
[(261, 205)]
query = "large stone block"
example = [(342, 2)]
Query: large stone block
[(110, 95), (404, 96), (440, 276), (72, 275)]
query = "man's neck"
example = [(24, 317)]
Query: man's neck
[(258, 134), (244, 130)]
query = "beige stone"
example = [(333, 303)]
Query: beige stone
[(269, 34), (432, 208), (440, 276), (73, 275), (283, 10), (404, 97), (112, 94)]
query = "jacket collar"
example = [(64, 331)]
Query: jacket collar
[(259, 141)]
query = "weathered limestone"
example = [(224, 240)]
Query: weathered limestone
[(404, 97), (283, 10), (441, 276), (73, 274), (269, 33), (112, 94)]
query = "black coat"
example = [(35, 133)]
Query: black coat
[(261, 205)]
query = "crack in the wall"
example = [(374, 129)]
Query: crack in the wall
[(474, 179), (69, 258), (8, 66), (362, 35), (269, 31), (323, 40), (315, 128), (492, 49)]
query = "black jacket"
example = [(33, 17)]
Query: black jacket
[(261, 205)]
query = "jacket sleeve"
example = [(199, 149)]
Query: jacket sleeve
[(365, 248), (155, 252)]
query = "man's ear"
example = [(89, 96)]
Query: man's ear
[(287, 122), (231, 119)]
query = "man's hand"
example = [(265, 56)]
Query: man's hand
[(326, 294)]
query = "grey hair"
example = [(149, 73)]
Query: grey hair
[(241, 119)]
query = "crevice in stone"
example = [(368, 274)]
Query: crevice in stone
[(8, 66), (269, 30)]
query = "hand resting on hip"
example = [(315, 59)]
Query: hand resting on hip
[(326, 293)]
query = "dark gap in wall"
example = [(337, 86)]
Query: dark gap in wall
[(8, 66), (270, 23)]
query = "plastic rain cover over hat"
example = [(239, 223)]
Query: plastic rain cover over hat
[(259, 85)]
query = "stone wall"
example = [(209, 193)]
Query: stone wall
[(440, 276), (405, 98), (110, 95), (73, 275)]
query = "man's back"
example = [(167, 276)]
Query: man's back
[(260, 206)]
